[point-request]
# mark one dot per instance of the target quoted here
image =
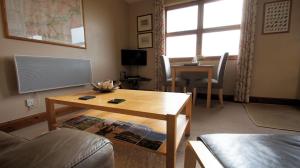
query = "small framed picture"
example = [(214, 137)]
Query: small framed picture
[(144, 23), (145, 40), (277, 16)]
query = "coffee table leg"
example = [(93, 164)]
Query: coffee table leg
[(190, 159), (171, 141), (188, 113), (50, 114)]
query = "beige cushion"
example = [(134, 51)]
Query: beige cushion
[(61, 148), (8, 142)]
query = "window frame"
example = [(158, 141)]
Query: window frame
[(199, 31)]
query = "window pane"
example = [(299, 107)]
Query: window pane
[(181, 46), (182, 19), (217, 43), (222, 13)]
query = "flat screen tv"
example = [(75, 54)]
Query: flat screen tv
[(133, 57)]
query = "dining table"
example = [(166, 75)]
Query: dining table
[(194, 68)]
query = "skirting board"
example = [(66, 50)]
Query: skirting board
[(33, 119), (268, 100), (216, 97)]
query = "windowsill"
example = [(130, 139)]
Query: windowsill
[(210, 58), (181, 59)]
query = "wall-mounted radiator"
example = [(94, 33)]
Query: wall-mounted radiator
[(45, 73)]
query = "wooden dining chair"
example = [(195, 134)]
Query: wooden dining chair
[(167, 76), (217, 83)]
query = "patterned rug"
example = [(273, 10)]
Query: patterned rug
[(274, 116)]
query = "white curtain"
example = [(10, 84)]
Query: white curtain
[(245, 61), (159, 39)]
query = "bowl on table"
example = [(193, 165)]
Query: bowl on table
[(106, 86)]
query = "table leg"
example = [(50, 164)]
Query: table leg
[(171, 141), (208, 99), (173, 80), (51, 117), (188, 113), (189, 159)]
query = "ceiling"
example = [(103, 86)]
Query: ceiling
[(133, 1)]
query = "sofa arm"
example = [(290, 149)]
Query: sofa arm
[(62, 148), (7, 142)]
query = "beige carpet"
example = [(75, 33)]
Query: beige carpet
[(275, 116)]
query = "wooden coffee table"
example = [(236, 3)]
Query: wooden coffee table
[(157, 106)]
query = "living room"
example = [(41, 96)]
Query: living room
[(112, 25)]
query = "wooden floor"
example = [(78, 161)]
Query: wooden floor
[(231, 119)]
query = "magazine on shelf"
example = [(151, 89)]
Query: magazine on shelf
[(82, 122), (124, 131)]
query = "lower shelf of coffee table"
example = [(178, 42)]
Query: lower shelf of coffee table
[(155, 125)]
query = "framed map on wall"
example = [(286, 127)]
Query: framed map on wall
[(58, 22), (277, 16)]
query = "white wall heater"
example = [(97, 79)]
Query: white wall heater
[(36, 73)]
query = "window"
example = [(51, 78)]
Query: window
[(181, 39), (206, 28)]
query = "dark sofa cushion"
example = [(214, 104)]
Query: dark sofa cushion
[(254, 150)]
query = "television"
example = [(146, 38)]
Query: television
[(133, 57)]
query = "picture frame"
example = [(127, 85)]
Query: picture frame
[(277, 17), (145, 40), (53, 26), (144, 23)]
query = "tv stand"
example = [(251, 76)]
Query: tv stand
[(133, 82), (135, 76)]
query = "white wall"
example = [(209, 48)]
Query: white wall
[(106, 34), (277, 59)]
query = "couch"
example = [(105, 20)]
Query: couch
[(60, 148), (254, 150)]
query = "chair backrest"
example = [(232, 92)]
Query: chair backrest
[(166, 67), (221, 69)]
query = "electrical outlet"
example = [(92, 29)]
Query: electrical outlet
[(29, 103)]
